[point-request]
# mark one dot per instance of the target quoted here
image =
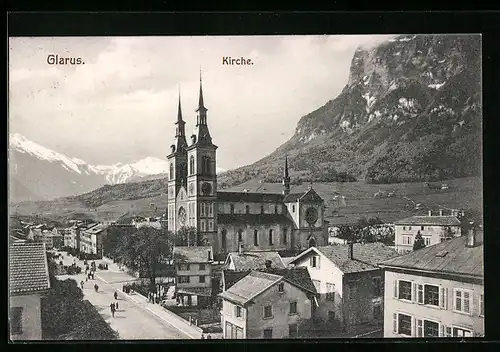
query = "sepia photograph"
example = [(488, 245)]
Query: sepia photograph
[(245, 187)]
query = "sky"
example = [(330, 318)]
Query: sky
[(121, 105)]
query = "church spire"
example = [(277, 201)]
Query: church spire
[(180, 129), (202, 110), (200, 100), (286, 178), (179, 110)]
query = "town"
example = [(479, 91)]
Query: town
[(234, 264)]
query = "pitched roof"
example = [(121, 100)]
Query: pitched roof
[(224, 196), (200, 291), (193, 254), (452, 256), (250, 286), (252, 186), (365, 256), (430, 220), (298, 276), (308, 196), (287, 260), (28, 268), (254, 260), (253, 219)]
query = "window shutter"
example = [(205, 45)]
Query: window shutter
[(445, 298), (413, 327), (442, 300), (395, 288), (443, 331), (420, 294), (414, 292), (475, 304), (395, 323)]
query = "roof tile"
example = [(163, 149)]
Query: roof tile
[(430, 220), (193, 254), (28, 268)]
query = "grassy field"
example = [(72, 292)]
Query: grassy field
[(463, 193)]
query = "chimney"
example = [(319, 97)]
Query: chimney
[(471, 236), (268, 264), (430, 212), (440, 212), (240, 248), (350, 251)]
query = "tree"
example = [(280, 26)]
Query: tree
[(448, 233), (419, 242), (187, 236), (145, 250)]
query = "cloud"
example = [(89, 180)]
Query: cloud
[(122, 104)]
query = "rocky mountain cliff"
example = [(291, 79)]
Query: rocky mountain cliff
[(410, 111)]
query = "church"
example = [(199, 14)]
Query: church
[(232, 221)]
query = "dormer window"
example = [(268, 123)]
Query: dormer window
[(281, 287)]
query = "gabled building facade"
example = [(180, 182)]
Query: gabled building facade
[(437, 291), (349, 281)]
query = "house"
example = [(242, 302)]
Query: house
[(252, 260), (193, 274), (436, 291), (28, 281), (266, 304), (432, 228), (349, 281), (91, 239)]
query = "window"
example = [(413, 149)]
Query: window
[(16, 321), (202, 209), (431, 295), (191, 165), (481, 305), (262, 209), (460, 332), (317, 284), (404, 227), (202, 267), (210, 225), (172, 171), (431, 329), (271, 237), (427, 240), (331, 315), (404, 290), (224, 239), (268, 333), (422, 228), (377, 287), (462, 301), (247, 209), (233, 331), (268, 312), (285, 235), (231, 209), (184, 267), (330, 292), (238, 312), (293, 208), (255, 237), (420, 328), (404, 324), (293, 330), (184, 279), (281, 287), (210, 208), (409, 228), (420, 294), (408, 239), (202, 279), (240, 235), (314, 261), (202, 225), (276, 209), (293, 308), (205, 166)]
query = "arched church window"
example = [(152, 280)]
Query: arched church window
[(255, 237), (285, 235), (271, 237), (191, 165), (171, 171), (206, 165), (240, 235)]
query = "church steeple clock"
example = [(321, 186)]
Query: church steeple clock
[(177, 167), (202, 177)]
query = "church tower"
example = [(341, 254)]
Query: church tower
[(286, 178), (202, 178), (177, 169)]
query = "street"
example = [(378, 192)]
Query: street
[(132, 320)]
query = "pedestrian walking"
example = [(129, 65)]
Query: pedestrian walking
[(86, 278), (209, 337), (116, 305), (112, 307), (116, 295), (202, 337), (96, 288)]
